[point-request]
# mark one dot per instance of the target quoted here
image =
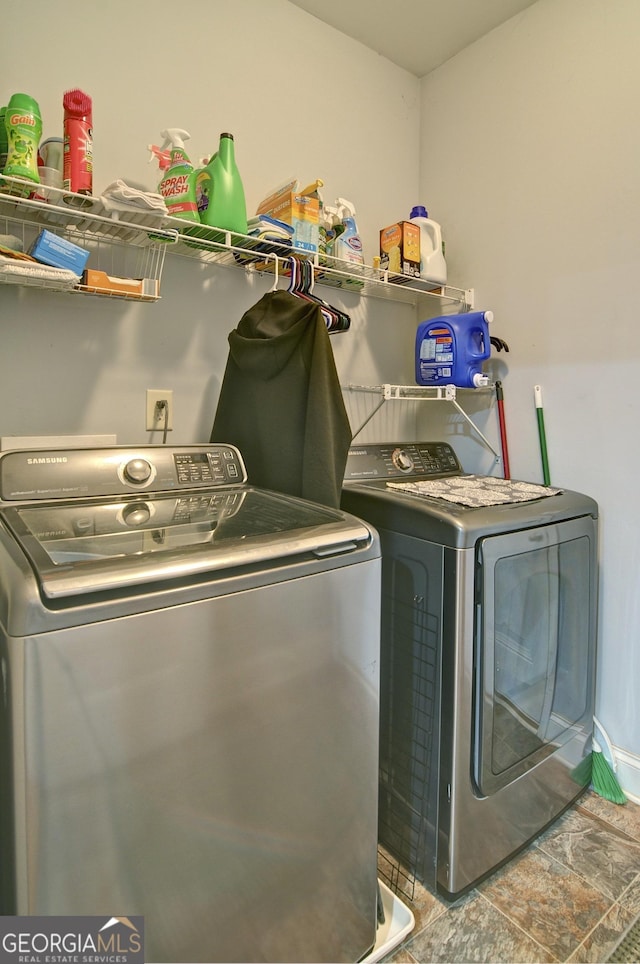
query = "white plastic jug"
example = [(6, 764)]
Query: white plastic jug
[(433, 267)]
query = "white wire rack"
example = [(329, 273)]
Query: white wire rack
[(131, 243), (212, 245), (131, 249), (417, 393)]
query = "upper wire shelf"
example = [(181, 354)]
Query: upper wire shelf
[(257, 254), (83, 213), (95, 218)]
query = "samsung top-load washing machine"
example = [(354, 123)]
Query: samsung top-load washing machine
[(487, 657), (189, 710)]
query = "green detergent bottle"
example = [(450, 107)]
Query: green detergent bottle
[(3, 139), (24, 129), (222, 203)]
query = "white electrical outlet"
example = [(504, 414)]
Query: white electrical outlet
[(159, 418)]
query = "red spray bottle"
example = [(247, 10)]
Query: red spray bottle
[(78, 142)]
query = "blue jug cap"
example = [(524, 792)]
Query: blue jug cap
[(418, 212)]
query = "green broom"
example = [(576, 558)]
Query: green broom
[(594, 767), (594, 770), (603, 778)]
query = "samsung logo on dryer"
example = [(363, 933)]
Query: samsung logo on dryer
[(46, 460)]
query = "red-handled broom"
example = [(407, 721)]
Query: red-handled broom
[(503, 430)]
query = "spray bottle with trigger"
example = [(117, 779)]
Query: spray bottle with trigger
[(162, 157), (177, 186), (348, 245), (333, 228)]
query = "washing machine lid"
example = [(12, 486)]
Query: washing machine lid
[(82, 547), (138, 532)]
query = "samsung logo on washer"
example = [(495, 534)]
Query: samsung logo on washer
[(72, 940), (46, 460)]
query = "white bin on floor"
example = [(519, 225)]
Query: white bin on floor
[(398, 922)]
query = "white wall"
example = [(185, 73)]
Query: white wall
[(300, 99), (529, 159)]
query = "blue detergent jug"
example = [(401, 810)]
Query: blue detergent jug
[(450, 350)]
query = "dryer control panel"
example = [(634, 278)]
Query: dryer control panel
[(386, 460), (32, 475)]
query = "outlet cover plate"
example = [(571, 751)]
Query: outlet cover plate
[(155, 418)]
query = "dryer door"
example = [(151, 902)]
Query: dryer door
[(535, 645)]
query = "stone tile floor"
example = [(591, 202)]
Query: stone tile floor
[(570, 896)]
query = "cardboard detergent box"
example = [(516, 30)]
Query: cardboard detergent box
[(400, 249), (300, 211)]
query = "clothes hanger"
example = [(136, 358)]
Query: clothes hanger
[(276, 262), (301, 285), (342, 321), (298, 286)]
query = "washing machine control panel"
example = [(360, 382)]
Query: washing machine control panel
[(425, 460), (116, 470)]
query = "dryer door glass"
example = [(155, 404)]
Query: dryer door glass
[(535, 631)]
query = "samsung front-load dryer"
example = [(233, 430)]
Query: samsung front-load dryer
[(487, 657)]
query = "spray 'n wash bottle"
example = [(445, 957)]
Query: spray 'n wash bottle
[(177, 186)]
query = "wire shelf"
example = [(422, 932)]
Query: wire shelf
[(26, 208), (128, 255), (417, 393), (214, 246)]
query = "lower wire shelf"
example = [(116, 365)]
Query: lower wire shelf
[(417, 393)]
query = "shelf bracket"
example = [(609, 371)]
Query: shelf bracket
[(412, 393), (369, 416), (475, 428)]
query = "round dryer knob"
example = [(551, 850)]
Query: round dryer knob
[(137, 471), (402, 460)]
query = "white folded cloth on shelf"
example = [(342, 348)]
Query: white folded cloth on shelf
[(34, 271), (122, 193), (265, 227)]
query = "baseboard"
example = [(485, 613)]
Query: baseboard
[(628, 773)]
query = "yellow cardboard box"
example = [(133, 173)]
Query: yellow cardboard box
[(298, 210), (400, 249), (102, 283)]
